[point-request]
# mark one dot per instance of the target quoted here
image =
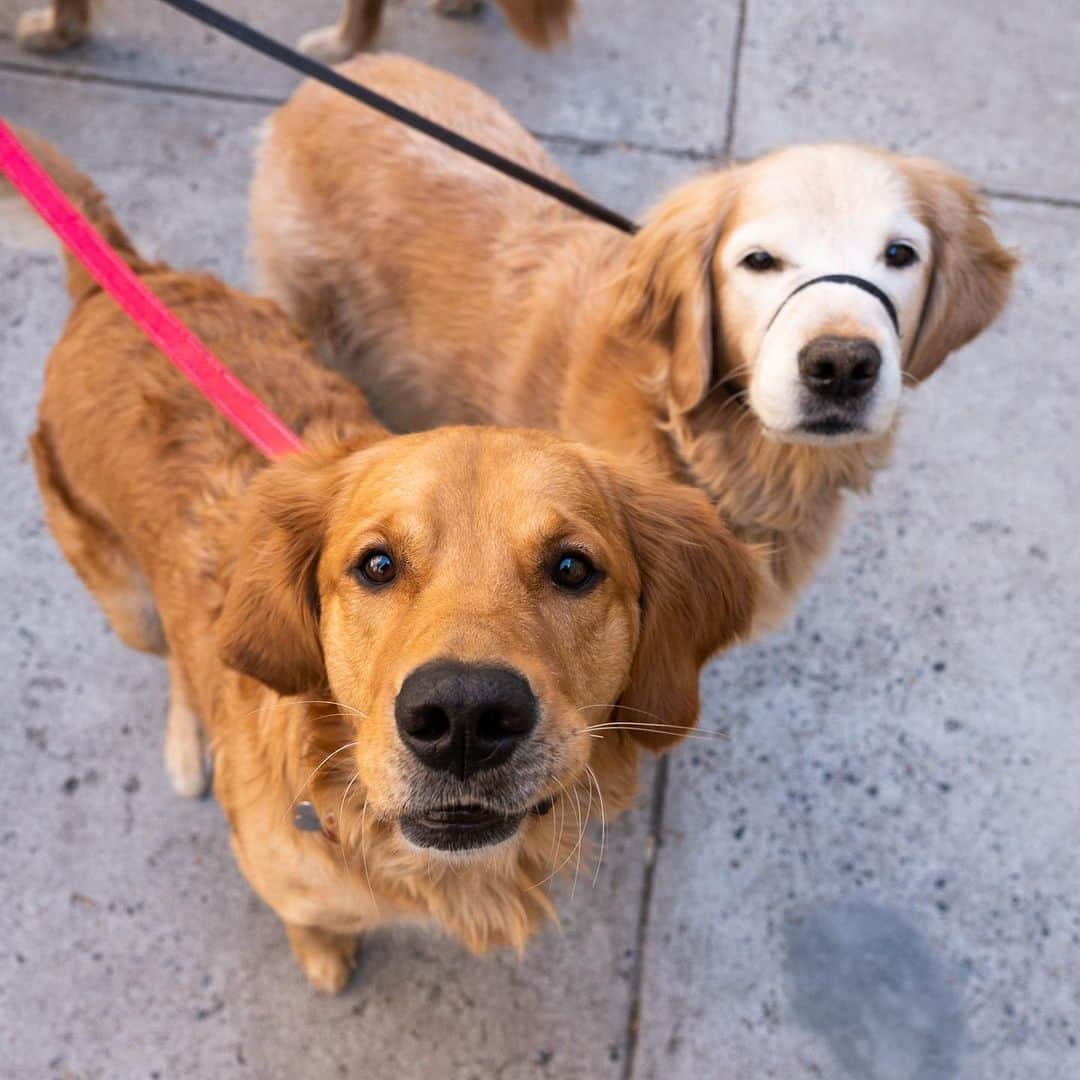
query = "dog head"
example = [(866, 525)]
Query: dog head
[(478, 601), (813, 283)]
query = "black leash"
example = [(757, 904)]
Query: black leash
[(275, 50)]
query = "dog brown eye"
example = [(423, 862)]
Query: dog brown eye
[(759, 261), (377, 567), (573, 572), (899, 255)]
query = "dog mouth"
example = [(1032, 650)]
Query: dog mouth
[(821, 429), (466, 826), (830, 425), (818, 432)]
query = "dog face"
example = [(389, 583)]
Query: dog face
[(825, 352), (815, 282), (476, 599)]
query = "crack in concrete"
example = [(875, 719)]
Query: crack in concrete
[(97, 78), (733, 86), (598, 146), (637, 976), (1059, 202)]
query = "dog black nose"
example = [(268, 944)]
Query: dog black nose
[(839, 368), (463, 718)]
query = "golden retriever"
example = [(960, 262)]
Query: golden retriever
[(753, 338), (541, 23), (440, 647)]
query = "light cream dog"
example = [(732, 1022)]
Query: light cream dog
[(707, 345)]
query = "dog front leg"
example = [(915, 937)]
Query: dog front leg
[(353, 32), (325, 957), (51, 29)]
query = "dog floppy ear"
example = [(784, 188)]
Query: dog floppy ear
[(971, 274), (667, 297), (269, 626), (699, 585)]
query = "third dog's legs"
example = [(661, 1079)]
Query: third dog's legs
[(50, 29), (354, 31)]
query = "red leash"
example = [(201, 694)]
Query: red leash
[(263, 428)]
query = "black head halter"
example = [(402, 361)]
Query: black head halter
[(846, 279)]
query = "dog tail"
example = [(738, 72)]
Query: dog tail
[(84, 193), (542, 23)]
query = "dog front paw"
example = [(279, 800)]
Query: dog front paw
[(325, 45), (327, 959)]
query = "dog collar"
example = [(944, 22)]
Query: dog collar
[(846, 279), (306, 819)]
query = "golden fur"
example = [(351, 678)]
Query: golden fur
[(455, 295), (244, 575)]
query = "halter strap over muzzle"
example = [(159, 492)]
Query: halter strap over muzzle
[(846, 279)]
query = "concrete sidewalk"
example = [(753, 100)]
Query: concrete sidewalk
[(877, 877)]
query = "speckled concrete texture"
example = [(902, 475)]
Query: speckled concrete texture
[(909, 745), (874, 877), (990, 87)]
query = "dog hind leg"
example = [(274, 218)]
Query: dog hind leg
[(98, 557)]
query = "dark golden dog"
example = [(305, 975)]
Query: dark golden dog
[(447, 647)]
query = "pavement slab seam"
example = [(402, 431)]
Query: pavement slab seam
[(654, 841), (733, 88), (715, 156)]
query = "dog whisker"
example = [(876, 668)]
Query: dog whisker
[(735, 397), (311, 775), (562, 804), (582, 824), (341, 819), (657, 724), (363, 852), (603, 822), (575, 849), (287, 703), (660, 729), (564, 810), (554, 835), (339, 704), (627, 708)]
